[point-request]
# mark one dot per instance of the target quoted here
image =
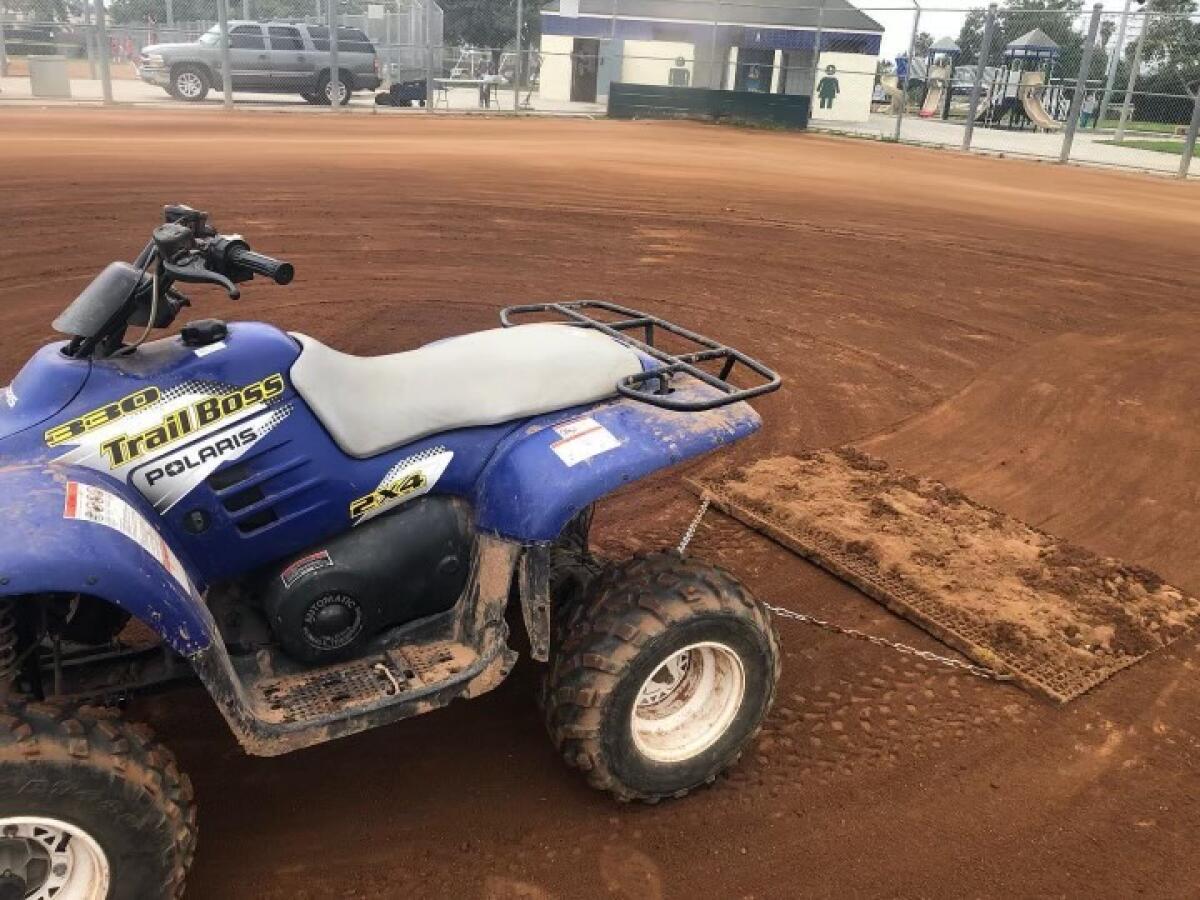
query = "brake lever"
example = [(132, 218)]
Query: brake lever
[(195, 272)]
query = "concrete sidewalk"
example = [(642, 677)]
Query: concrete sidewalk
[(134, 91), (1087, 148)]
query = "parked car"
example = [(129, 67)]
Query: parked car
[(41, 40), (276, 57)]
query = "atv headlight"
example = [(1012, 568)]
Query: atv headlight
[(153, 60)]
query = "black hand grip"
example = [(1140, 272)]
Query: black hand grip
[(276, 269)]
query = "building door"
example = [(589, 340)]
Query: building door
[(755, 67), (797, 74), (585, 64)]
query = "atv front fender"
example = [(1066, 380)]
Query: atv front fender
[(111, 548), (544, 473)]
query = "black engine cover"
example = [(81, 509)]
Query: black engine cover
[(326, 603)]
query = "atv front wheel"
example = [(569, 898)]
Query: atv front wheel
[(91, 807), (664, 676)]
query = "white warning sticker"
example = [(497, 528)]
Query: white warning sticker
[(207, 349), (581, 439), (88, 503)]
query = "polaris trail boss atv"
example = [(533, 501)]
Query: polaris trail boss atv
[(329, 543)]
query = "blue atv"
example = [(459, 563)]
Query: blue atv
[(331, 543)]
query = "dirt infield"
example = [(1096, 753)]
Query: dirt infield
[(887, 284)]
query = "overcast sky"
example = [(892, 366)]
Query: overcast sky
[(940, 19)]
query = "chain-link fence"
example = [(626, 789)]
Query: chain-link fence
[(1057, 84), (1105, 87)]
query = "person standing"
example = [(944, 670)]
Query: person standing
[(1088, 111)]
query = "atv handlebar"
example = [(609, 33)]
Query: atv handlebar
[(187, 249), (277, 270)]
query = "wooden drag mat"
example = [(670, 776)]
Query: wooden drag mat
[(1056, 617)]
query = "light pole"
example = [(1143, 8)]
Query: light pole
[(985, 51), (1081, 80), (1189, 145), (1133, 74), (912, 48), (1114, 60)]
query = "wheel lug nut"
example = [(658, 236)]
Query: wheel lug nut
[(59, 870)]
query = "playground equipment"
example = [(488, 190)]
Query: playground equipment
[(895, 92), (1030, 91), (1022, 91), (936, 91), (939, 67)]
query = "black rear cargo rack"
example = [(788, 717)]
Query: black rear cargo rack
[(654, 387)]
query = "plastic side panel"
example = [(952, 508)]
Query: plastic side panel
[(48, 549), (547, 471), (46, 384)]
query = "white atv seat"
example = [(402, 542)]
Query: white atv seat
[(373, 404)]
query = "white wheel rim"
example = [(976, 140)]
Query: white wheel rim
[(341, 91), (67, 862), (188, 84), (688, 702)]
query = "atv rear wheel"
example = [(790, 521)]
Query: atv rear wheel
[(664, 676), (91, 807)]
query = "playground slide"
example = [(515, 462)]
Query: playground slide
[(939, 82), (933, 99), (1031, 100)]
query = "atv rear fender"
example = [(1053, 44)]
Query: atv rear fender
[(49, 546), (544, 473)]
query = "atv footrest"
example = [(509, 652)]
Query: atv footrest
[(337, 690)]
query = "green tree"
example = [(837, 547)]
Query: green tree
[(1062, 21), (1057, 18), (1171, 51), (489, 23), (38, 10), (921, 44), (1107, 28)]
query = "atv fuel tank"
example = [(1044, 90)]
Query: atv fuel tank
[(43, 387)]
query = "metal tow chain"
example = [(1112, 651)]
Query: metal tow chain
[(691, 529), (784, 613)]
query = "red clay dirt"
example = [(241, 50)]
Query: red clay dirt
[(882, 281), (1051, 615)]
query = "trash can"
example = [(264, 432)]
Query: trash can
[(48, 76)]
